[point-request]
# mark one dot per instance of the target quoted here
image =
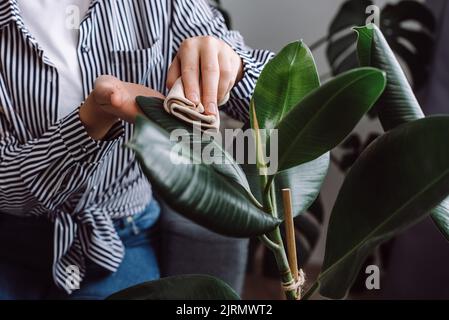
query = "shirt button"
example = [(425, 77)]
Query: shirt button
[(94, 188), (84, 149), (86, 49)]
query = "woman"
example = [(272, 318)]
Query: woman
[(77, 218)]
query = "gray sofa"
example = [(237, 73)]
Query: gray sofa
[(187, 248)]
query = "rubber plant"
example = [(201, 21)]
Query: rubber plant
[(398, 179), (409, 28), (401, 178)]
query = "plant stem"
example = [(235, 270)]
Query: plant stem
[(275, 243), (283, 265), (268, 243), (273, 199), (266, 200)]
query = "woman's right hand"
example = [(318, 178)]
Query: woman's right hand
[(110, 101)]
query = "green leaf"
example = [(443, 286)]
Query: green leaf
[(408, 22), (284, 81), (304, 181), (153, 109), (440, 216), (185, 287), (396, 181), (398, 103), (196, 191), (311, 128)]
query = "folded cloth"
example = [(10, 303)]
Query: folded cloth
[(178, 105)]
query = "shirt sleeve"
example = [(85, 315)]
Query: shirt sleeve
[(37, 171), (193, 18)]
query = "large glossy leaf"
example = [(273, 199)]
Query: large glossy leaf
[(398, 22), (196, 191), (185, 287), (397, 104), (394, 184), (311, 129), (304, 181), (284, 81), (153, 109), (287, 79), (440, 216)]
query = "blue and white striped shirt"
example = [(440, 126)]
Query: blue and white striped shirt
[(51, 167)]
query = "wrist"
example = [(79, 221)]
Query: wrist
[(96, 121)]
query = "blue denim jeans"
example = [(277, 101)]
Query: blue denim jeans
[(26, 258)]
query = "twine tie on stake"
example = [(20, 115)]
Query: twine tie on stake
[(296, 284)]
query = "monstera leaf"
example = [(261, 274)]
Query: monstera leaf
[(398, 23), (185, 287), (341, 52), (195, 190), (397, 104), (393, 185), (417, 57)]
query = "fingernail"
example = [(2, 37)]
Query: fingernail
[(212, 108)]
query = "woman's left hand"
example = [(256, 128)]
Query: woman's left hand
[(209, 68)]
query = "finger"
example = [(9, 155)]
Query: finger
[(105, 86), (210, 77), (227, 77), (190, 70), (174, 72)]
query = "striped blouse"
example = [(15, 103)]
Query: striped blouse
[(51, 167)]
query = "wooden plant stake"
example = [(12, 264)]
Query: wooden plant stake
[(291, 242)]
